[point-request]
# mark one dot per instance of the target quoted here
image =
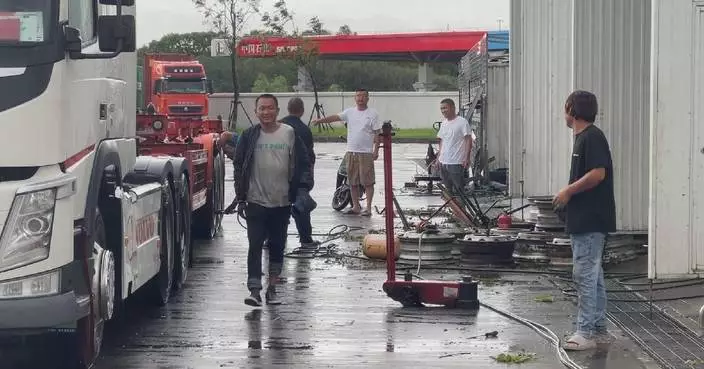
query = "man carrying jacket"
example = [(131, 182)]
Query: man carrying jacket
[(271, 173), (302, 219)]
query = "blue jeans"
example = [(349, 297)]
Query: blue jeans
[(588, 275)]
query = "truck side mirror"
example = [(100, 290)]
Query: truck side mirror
[(117, 33), (209, 87)]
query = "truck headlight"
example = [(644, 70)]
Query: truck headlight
[(27, 235), (35, 286)]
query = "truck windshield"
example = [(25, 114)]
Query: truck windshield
[(184, 86), (24, 21)]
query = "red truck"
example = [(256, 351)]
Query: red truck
[(173, 121)]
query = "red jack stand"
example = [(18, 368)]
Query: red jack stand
[(410, 292)]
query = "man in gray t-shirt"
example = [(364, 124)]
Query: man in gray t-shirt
[(271, 173)]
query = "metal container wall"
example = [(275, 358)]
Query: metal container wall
[(515, 126), (497, 115), (542, 66), (677, 154), (612, 60), (598, 45)]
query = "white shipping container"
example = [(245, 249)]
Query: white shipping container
[(597, 45), (544, 79), (676, 248), (612, 60), (497, 115)]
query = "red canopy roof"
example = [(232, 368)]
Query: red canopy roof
[(419, 47)]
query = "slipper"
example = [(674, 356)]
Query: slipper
[(366, 213), (350, 212), (578, 343)]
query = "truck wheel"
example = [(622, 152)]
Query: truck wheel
[(162, 283), (90, 330), (208, 219), (183, 239)]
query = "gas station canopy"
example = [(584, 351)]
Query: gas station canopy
[(411, 47)]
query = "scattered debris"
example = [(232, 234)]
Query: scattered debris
[(514, 358)]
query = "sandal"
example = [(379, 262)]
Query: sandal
[(578, 343), (350, 212), (366, 213)]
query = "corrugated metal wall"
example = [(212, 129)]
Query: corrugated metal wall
[(515, 126), (497, 115), (677, 158), (598, 45), (612, 60), (544, 81)]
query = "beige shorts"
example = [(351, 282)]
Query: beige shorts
[(360, 169)]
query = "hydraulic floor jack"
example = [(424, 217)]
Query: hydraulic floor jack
[(416, 292)]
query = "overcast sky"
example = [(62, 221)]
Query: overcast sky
[(155, 18)]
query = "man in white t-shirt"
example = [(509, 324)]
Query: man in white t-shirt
[(363, 128), (456, 138)]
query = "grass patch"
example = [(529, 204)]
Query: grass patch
[(338, 130), (410, 133)]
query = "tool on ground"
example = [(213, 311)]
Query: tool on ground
[(410, 292)]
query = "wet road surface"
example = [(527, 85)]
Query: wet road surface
[(335, 313)]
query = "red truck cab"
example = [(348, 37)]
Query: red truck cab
[(175, 85)]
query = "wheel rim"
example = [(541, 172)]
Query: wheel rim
[(107, 286)]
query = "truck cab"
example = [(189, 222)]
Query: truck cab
[(85, 222), (175, 85)]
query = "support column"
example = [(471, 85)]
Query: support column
[(425, 77), (305, 82)]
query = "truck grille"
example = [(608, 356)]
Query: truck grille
[(9, 174), (183, 109)]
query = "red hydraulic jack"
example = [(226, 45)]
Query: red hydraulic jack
[(410, 292)]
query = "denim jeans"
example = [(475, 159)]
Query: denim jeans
[(265, 224), (588, 275), (303, 225)]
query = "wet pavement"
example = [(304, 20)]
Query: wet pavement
[(335, 313)]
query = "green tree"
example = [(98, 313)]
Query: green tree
[(276, 84), (228, 18), (344, 30)]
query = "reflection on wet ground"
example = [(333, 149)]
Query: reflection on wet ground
[(335, 313)]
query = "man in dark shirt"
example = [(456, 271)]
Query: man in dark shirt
[(302, 219), (591, 215)]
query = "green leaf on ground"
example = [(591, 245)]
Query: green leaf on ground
[(514, 358), (544, 298)]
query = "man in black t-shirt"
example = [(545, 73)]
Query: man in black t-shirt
[(591, 215)]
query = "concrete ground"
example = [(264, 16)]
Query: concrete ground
[(335, 313)]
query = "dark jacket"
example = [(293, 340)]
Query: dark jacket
[(302, 178), (302, 131)]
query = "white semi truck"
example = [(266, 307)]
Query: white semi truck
[(85, 220)]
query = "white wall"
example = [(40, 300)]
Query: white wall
[(404, 109), (558, 46), (677, 137)]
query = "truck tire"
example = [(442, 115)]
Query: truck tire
[(90, 329), (207, 220), (183, 238), (162, 284)]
